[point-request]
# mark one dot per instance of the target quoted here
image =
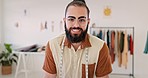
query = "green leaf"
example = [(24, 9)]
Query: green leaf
[(1, 56), (14, 60), (15, 56), (7, 57), (8, 47)]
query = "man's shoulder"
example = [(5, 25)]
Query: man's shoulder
[(95, 39), (57, 39), (96, 42)]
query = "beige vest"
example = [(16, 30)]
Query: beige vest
[(73, 60)]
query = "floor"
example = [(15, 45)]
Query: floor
[(40, 75), (22, 75)]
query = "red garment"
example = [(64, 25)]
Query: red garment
[(131, 45)]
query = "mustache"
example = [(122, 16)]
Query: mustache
[(76, 28)]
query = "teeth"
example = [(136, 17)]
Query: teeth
[(75, 30)]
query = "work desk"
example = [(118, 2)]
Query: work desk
[(23, 66)]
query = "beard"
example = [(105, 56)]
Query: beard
[(75, 38)]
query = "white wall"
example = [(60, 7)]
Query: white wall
[(0, 17), (37, 12), (0, 24), (124, 13)]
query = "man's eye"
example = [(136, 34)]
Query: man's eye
[(82, 20), (71, 20)]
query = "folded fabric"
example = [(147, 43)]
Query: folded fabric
[(31, 48)]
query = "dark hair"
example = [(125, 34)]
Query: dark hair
[(80, 3), (80, 0)]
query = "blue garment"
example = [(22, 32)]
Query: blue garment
[(100, 34), (146, 45)]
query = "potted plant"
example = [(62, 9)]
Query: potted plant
[(7, 58)]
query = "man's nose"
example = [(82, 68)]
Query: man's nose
[(76, 24)]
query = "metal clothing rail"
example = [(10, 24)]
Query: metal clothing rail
[(133, 30)]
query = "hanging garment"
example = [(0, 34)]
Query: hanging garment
[(128, 38), (125, 51), (122, 41), (100, 34), (118, 47), (113, 39), (131, 45), (112, 46), (94, 33), (108, 39), (146, 45), (97, 35), (116, 43), (103, 35)]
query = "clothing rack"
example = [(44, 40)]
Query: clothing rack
[(131, 74)]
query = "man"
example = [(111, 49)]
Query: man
[(77, 54)]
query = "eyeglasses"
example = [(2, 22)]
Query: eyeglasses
[(80, 21)]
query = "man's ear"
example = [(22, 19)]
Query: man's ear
[(64, 19), (88, 20)]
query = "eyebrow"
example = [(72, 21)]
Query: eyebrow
[(75, 17), (81, 17), (72, 17)]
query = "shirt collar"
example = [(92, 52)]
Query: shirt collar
[(85, 43)]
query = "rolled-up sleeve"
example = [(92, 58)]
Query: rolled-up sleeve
[(104, 66), (49, 64)]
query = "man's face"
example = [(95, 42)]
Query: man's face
[(76, 23)]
